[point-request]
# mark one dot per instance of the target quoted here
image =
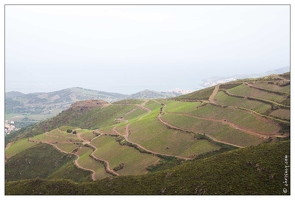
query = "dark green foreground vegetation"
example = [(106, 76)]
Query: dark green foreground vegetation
[(43, 161), (252, 170)]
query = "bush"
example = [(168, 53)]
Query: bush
[(200, 136), (69, 131), (74, 132), (117, 168)]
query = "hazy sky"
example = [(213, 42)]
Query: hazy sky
[(126, 49)]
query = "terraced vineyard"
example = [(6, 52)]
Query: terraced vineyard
[(224, 99), (246, 90), (131, 160), (281, 113), (133, 137)]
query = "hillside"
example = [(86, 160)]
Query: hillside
[(254, 170), (13, 94), (27, 109), (146, 136), (38, 161)]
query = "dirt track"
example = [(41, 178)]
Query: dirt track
[(92, 154), (147, 150), (280, 77), (8, 145), (212, 138), (79, 166), (127, 133), (110, 171), (266, 90), (230, 124), (214, 93), (189, 131), (76, 161)]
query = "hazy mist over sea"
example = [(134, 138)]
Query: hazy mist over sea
[(127, 49)]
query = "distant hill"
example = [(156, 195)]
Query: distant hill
[(13, 94), (26, 109), (150, 94)]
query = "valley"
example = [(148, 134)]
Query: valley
[(138, 137)]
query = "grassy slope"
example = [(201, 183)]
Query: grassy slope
[(38, 161), (273, 87), (56, 136), (253, 170), (129, 101), (281, 113), (179, 106), (67, 147), (70, 171), (88, 118), (86, 134), (87, 162), (137, 113), (244, 90), (203, 94), (238, 117), (152, 105), (157, 137), (63, 134), (18, 147), (108, 129), (134, 161), (224, 99), (219, 131), (130, 118), (97, 117)]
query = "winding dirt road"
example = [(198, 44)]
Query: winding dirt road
[(127, 133), (107, 166), (214, 93), (188, 131), (266, 90), (255, 133), (254, 113), (147, 150), (79, 166), (76, 161)]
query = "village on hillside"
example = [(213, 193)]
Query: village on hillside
[(9, 126)]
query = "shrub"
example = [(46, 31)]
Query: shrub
[(200, 136), (69, 131), (117, 168)]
